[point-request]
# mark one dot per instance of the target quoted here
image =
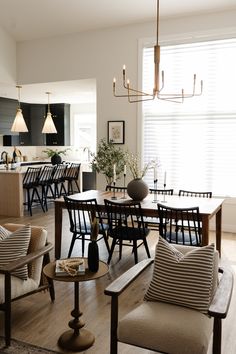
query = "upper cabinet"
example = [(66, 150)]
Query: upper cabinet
[(25, 138), (61, 118), (34, 115), (7, 114), (37, 117)]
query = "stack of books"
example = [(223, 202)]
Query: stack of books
[(70, 266)]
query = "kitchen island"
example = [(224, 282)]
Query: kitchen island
[(11, 188), (11, 192)]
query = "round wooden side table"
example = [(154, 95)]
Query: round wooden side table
[(77, 338)]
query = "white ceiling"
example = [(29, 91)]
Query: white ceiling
[(32, 19), (73, 92)]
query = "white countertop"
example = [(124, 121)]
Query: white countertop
[(85, 167)]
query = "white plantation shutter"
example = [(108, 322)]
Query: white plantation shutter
[(195, 142)]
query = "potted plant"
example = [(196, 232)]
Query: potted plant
[(107, 156), (137, 189), (55, 155)]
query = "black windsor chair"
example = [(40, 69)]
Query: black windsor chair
[(126, 223), (151, 222), (81, 216), (180, 225), (184, 193)]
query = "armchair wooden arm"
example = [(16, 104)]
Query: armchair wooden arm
[(221, 300), (122, 282), (115, 289), (220, 305)]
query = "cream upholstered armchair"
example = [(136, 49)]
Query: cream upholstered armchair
[(23, 252), (178, 314)]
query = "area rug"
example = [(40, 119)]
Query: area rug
[(18, 347)]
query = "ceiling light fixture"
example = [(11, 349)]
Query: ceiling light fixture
[(134, 95), (19, 125), (49, 126)]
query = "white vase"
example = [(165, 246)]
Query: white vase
[(137, 189)]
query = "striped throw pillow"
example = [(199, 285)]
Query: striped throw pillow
[(15, 246), (184, 280), (4, 233)]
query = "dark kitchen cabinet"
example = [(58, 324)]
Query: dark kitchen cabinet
[(34, 115), (8, 109), (61, 117), (25, 138), (89, 180), (10, 140), (37, 118)]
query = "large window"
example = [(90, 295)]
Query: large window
[(194, 142)]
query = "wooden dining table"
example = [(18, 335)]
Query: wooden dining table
[(208, 208)]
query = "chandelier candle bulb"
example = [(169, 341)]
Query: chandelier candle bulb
[(114, 85), (124, 169), (155, 174), (114, 173), (165, 178)]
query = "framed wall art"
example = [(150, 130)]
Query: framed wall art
[(116, 131)]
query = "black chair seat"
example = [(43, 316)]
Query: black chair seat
[(128, 233), (181, 238), (87, 229)]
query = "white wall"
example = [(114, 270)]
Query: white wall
[(87, 110), (101, 54), (7, 58)]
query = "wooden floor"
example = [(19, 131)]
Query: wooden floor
[(37, 321)]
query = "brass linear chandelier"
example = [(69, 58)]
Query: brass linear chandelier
[(135, 95)]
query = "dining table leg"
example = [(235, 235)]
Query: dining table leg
[(218, 230), (58, 229), (205, 230)]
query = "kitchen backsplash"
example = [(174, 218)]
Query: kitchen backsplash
[(33, 153)]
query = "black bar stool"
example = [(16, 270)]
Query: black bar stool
[(31, 184)]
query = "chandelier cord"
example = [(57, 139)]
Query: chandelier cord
[(48, 93), (157, 29), (19, 87)]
